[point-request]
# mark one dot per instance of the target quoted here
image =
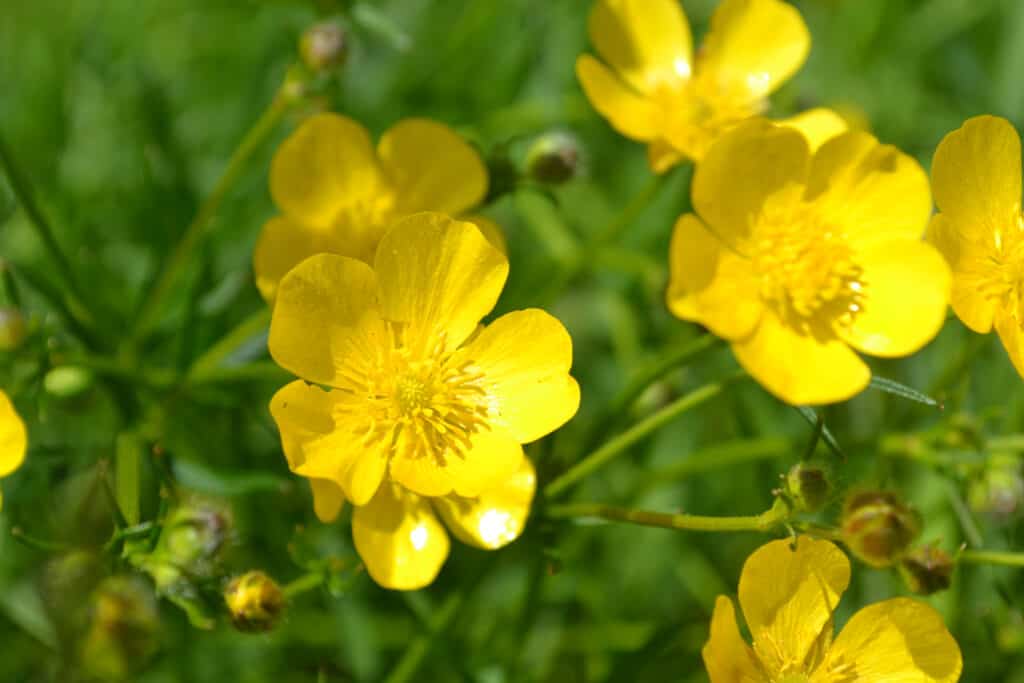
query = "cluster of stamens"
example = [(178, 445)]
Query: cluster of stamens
[(1000, 278)]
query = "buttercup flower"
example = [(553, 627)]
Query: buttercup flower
[(788, 597), (13, 439), (794, 259), (976, 178), (652, 89), (337, 194), (427, 409)]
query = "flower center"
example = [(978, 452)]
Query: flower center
[(1000, 277), (794, 678)]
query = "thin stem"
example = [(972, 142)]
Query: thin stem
[(1005, 559), (766, 521), (417, 651), (303, 584), (621, 443), (250, 327)]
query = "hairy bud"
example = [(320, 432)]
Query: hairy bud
[(878, 527), (255, 602), (324, 46), (553, 158), (927, 570), (808, 486)]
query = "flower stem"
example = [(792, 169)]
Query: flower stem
[(1005, 559), (417, 650), (303, 584), (766, 521), (621, 443), (250, 327)]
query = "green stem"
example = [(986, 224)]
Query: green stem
[(766, 521), (303, 584), (414, 655), (250, 327), (128, 461), (621, 443), (1005, 559), (194, 233)]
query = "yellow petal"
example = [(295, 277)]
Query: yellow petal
[(325, 306), (710, 284), (13, 437), (328, 499), (319, 447), (491, 230), (627, 111), (868, 190), (1012, 336), (976, 177), (753, 46), (492, 457), (661, 156), (399, 539), (970, 263), (431, 167), (817, 125), (894, 640), (525, 358), (497, 516), (788, 597), (646, 42), (283, 244), (799, 368), (438, 275), (742, 168), (326, 164), (727, 657), (906, 292)]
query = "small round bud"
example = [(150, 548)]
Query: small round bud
[(123, 628), (927, 570), (255, 602), (999, 490), (67, 381), (553, 158), (808, 486), (324, 46), (12, 329), (194, 534), (878, 528)]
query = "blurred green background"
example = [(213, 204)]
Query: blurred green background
[(122, 116)]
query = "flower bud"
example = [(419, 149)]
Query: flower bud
[(553, 158), (808, 486), (12, 329), (927, 570), (123, 627), (67, 381), (193, 535), (255, 602), (999, 490), (878, 528), (324, 46)]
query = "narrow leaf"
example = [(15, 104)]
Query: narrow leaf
[(812, 418), (903, 391)]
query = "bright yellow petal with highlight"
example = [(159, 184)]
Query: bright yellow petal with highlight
[(13, 437), (710, 284), (788, 597), (431, 167), (976, 178), (646, 42), (743, 168), (799, 368), (1011, 333), (327, 163), (497, 516), (971, 266), (627, 111), (817, 125), (525, 357), (727, 657), (753, 46), (328, 499), (325, 307), (897, 641), (399, 538), (283, 243), (438, 275), (906, 297)]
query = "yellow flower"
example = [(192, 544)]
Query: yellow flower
[(976, 178), (788, 598), (13, 438), (652, 89), (337, 194), (427, 409), (795, 258)]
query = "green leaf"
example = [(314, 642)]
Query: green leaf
[(811, 415), (903, 391)]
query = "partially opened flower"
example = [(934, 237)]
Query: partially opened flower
[(788, 596), (427, 410), (13, 438), (798, 260), (976, 178), (652, 88), (338, 194)]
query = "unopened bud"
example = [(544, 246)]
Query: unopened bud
[(123, 628), (193, 535), (67, 381), (255, 602), (927, 570), (324, 46), (553, 158), (878, 527), (999, 490), (12, 329), (808, 486)]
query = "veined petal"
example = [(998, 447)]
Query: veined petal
[(497, 516), (13, 437), (969, 262), (326, 308), (894, 640), (753, 46), (710, 284), (1012, 335), (328, 499), (976, 177), (727, 657), (525, 358), (325, 164), (742, 168), (438, 275), (817, 125), (399, 539), (647, 42), (788, 596), (799, 368), (907, 285), (628, 112), (432, 167), (283, 244)]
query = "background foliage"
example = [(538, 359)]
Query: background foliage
[(122, 116)]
